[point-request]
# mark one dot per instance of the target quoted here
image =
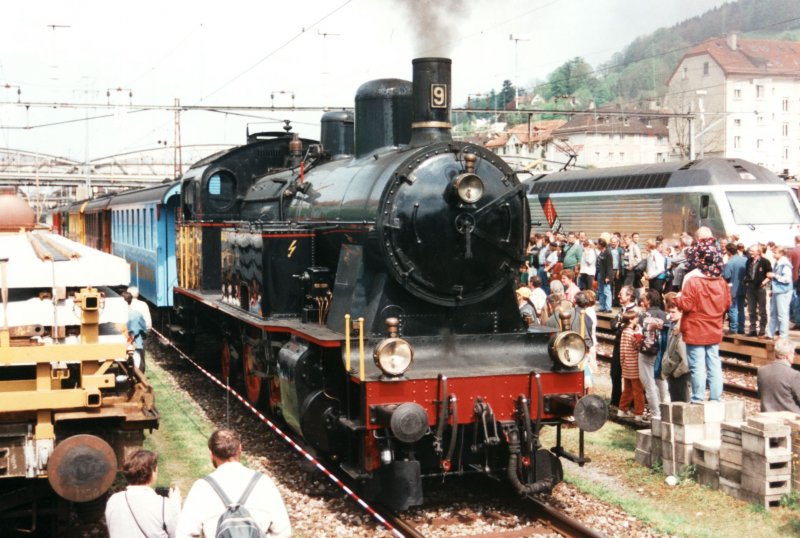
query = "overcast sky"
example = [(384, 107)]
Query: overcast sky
[(238, 52)]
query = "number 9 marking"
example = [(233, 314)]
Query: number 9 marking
[(438, 95)]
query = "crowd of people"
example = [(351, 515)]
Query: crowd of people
[(675, 301)]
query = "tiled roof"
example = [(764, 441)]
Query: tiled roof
[(752, 56), (601, 122), (540, 132)]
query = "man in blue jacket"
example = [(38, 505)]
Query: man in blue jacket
[(733, 273)]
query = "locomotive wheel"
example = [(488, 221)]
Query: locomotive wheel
[(254, 386), (225, 362)]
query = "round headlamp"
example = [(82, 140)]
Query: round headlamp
[(568, 348), (393, 356), (469, 188)]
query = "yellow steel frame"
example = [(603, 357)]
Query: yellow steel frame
[(42, 393)]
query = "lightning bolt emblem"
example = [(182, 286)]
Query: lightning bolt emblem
[(292, 248)]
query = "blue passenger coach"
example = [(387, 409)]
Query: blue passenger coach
[(143, 232)]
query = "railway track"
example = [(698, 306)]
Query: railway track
[(544, 518)]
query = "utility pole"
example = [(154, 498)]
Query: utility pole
[(516, 39), (177, 157)]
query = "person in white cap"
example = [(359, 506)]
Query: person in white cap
[(526, 309), (140, 306)]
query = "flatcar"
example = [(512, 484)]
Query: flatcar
[(71, 402), (361, 289), (730, 196)]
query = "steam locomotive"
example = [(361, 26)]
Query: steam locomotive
[(361, 289)]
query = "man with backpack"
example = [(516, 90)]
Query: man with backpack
[(233, 501)]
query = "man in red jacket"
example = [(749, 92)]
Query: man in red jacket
[(704, 299)]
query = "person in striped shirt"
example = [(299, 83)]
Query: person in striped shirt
[(632, 391)]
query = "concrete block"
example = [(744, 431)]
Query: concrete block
[(668, 466), (687, 414), (731, 429), (689, 433), (731, 473), (655, 449), (707, 477), (734, 410), (784, 416), (776, 485), (706, 453), (766, 445), (683, 453), (666, 410), (767, 501), (713, 430), (655, 427), (713, 411), (767, 424), (667, 431), (730, 488), (644, 440), (667, 450), (643, 458), (764, 467), (730, 453)]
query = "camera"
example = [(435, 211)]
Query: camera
[(163, 491)]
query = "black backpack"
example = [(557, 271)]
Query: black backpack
[(236, 521), (651, 337)]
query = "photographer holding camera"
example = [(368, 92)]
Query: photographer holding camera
[(139, 510)]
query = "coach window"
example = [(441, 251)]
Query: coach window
[(152, 228), (221, 189), (704, 203)]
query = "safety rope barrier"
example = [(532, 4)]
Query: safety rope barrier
[(333, 478)]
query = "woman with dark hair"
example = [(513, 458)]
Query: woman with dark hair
[(139, 510)]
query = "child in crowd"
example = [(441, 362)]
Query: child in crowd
[(675, 362), (632, 391)]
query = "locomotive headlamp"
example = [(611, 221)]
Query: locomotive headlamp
[(393, 356), (568, 348), (469, 188)]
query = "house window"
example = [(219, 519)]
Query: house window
[(785, 154), (622, 156), (705, 69), (759, 143), (685, 73), (737, 142), (785, 104), (737, 93), (597, 156), (759, 91), (610, 156), (659, 157), (785, 130), (760, 120)]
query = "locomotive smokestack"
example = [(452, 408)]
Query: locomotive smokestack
[(431, 87)]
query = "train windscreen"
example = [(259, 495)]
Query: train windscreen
[(763, 208)]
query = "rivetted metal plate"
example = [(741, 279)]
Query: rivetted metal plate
[(82, 468)]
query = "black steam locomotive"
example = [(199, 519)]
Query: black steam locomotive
[(362, 289)]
